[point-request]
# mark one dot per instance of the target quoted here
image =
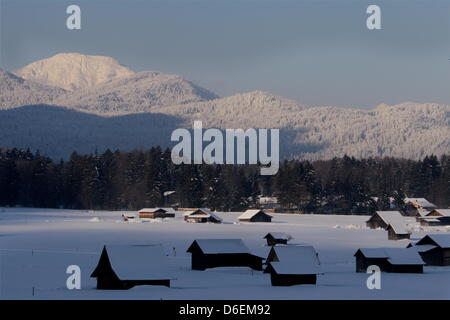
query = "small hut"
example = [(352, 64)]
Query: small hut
[(417, 206), (128, 216), (213, 253), (436, 217), (397, 231), (153, 213), (397, 260), (255, 215), (292, 265), (435, 249), (274, 238), (202, 215), (382, 219), (122, 267)]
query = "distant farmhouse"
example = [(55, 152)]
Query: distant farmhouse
[(398, 231), (268, 203), (153, 213), (255, 215), (274, 238), (382, 219), (417, 206), (292, 265), (434, 249), (202, 215), (123, 267), (392, 221), (398, 260), (213, 253), (414, 206), (436, 217)]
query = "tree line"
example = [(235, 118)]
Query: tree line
[(133, 180)]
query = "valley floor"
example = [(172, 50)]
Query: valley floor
[(37, 245)]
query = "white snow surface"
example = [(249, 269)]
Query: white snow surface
[(37, 246)]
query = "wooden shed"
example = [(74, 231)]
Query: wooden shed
[(202, 215), (397, 232), (153, 213), (417, 206), (435, 249), (292, 265), (122, 267), (255, 215), (397, 260), (274, 238), (436, 217), (382, 219), (213, 253)]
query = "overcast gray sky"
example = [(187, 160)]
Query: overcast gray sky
[(316, 52)]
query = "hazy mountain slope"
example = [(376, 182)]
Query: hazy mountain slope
[(72, 71), (407, 130), (15, 91), (57, 132), (254, 109), (136, 93)]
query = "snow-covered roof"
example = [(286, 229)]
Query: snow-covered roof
[(150, 210), (168, 209), (399, 228), (424, 247), (395, 220), (421, 202), (442, 240), (294, 259), (268, 200), (279, 235), (248, 214), (442, 212), (397, 256), (205, 213), (216, 246), (139, 262)]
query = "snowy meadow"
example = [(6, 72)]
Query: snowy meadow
[(37, 246)]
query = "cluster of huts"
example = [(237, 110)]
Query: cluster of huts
[(394, 222), (196, 215), (431, 250), (123, 267)]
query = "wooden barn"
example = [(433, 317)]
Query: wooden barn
[(153, 213), (396, 260), (434, 249), (123, 267), (292, 265), (382, 219), (202, 215), (255, 215), (213, 253), (397, 231), (417, 206), (274, 238), (436, 217)]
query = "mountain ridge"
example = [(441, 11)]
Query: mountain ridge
[(406, 130)]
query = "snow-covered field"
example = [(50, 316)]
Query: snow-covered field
[(37, 245)]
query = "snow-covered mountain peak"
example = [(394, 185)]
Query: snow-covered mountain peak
[(72, 71)]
